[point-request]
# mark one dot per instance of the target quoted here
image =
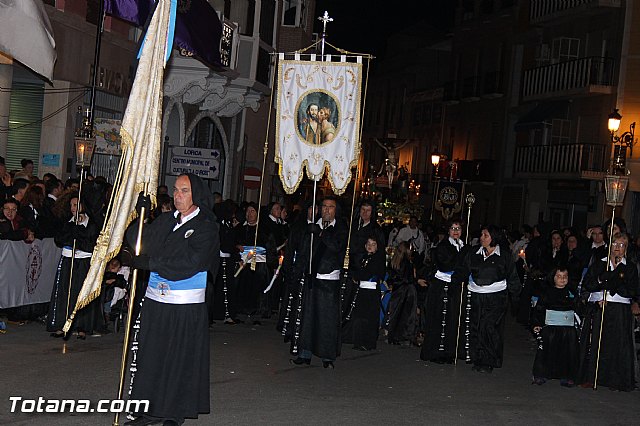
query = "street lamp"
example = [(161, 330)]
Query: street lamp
[(622, 142), (435, 159), (85, 142)]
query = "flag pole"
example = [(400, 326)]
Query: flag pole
[(470, 200), (324, 19), (604, 298), (96, 62), (132, 298)]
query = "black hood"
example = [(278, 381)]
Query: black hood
[(200, 194)]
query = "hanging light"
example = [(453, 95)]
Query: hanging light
[(615, 189), (614, 121), (435, 159), (85, 142)]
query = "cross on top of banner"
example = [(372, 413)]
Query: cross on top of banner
[(325, 19)]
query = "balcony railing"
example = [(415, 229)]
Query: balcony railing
[(568, 76), (546, 9), (559, 159)]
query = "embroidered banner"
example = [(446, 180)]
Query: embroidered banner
[(318, 123)]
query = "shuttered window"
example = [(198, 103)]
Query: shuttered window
[(25, 124)]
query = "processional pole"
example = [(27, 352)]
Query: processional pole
[(470, 200), (325, 19)]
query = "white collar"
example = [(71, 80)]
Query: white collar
[(187, 217), (593, 245), (457, 245), (84, 221), (496, 251), (53, 197), (273, 218), (623, 261), (332, 223)]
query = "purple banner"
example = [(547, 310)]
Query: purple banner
[(198, 28)]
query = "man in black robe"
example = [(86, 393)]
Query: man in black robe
[(320, 335), (171, 366)]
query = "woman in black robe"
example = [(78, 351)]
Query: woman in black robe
[(618, 279), (67, 285), (361, 324), (402, 316), (491, 275), (443, 300), (251, 283), (553, 325)]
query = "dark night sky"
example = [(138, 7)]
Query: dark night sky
[(363, 27)]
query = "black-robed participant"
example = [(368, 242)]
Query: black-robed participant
[(224, 294), (553, 325), (85, 233), (320, 334), (616, 366), (363, 316), (363, 228), (491, 274), (443, 306), (277, 231), (171, 366), (294, 267), (251, 283)]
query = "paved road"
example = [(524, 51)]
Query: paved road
[(253, 383)]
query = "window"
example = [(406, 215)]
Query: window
[(560, 131), (565, 49), (294, 13)]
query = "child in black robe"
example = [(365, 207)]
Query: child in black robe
[(553, 325), (363, 315)]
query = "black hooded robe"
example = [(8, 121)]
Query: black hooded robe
[(170, 367)]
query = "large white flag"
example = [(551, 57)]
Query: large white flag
[(318, 121), (139, 164), (26, 35)]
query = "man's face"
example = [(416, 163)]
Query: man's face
[(365, 213), (313, 112), (182, 196), (328, 210), (29, 169), (597, 235), (276, 210), (413, 223)]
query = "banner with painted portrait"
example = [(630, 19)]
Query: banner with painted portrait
[(318, 125)]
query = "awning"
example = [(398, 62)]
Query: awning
[(542, 113)]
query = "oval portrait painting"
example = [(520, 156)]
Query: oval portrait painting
[(317, 117)]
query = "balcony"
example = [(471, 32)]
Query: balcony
[(568, 161), (546, 10), (576, 77), (470, 89), (493, 85)]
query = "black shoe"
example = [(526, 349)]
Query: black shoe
[(141, 421), (57, 334), (438, 360), (257, 323), (300, 361), (170, 423), (328, 364), (485, 369), (360, 348)]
